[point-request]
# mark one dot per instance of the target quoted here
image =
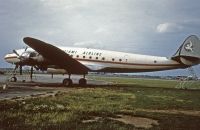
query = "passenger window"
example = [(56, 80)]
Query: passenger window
[(90, 57), (113, 59), (77, 56), (103, 58), (84, 57), (96, 58), (120, 60)]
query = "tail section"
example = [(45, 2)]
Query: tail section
[(189, 52)]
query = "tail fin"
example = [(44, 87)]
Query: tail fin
[(189, 52)]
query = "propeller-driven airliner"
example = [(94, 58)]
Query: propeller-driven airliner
[(80, 61)]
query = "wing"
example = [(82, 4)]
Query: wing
[(56, 56)]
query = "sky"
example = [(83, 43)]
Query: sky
[(137, 26)]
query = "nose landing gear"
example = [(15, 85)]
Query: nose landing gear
[(14, 78)]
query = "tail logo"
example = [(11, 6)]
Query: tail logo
[(189, 47)]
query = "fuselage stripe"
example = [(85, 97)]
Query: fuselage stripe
[(122, 63), (10, 57)]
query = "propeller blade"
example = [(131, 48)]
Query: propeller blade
[(20, 69), (36, 67), (25, 48), (16, 67), (14, 51)]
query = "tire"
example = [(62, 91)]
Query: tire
[(67, 82), (82, 82), (13, 79)]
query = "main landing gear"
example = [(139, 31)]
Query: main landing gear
[(68, 82), (82, 82)]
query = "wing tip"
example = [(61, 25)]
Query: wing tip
[(27, 39)]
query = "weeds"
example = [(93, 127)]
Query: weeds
[(69, 110)]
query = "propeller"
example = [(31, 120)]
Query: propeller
[(21, 56), (27, 58), (21, 60)]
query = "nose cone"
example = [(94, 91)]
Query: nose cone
[(11, 58)]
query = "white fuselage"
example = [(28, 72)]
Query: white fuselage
[(112, 61)]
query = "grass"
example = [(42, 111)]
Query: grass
[(68, 110), (147, 82)]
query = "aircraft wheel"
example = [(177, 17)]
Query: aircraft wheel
[(67, 82), (13, 79), (82, 82)]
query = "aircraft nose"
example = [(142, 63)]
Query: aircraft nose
[(6, 57), (11, 58)]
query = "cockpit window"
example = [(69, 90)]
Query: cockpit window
[(26, 54)]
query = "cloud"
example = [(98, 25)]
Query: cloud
[(65, 4), (101, 30), (168, 27), (121, 25)]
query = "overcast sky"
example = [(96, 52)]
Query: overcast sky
[(137, 26)]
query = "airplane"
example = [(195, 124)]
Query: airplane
[(71, 60)]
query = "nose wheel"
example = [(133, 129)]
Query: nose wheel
[(13, 79)]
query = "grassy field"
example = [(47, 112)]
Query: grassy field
[(97, 107), (148, 82)]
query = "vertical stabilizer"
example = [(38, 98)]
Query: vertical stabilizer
[(189, 51)]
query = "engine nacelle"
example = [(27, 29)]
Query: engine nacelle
[(56, 71), (38, 59)]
